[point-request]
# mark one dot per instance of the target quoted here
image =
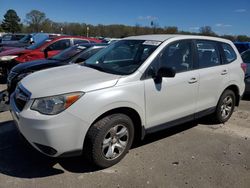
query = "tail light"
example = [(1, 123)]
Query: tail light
[(244, 67)]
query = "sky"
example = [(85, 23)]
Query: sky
[(224, 16)]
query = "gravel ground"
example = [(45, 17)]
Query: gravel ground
[(196, 154)]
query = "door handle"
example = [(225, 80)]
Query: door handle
[(193, 80), (224, 72)]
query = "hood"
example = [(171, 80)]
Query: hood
[(36, 65), (67, 79), (14, 51)]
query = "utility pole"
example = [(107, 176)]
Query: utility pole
[(87, 31)]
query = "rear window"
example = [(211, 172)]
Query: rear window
[(246, 56), (242, 46), (230, 54)]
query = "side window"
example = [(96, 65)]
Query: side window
[(59, 45), (208, 54), (230, 54), (77, 41), (178, 55)]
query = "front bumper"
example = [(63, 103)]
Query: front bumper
[(51, 135)]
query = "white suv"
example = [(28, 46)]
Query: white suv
[(135, 86)]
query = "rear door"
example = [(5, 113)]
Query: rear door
[(214, 75)]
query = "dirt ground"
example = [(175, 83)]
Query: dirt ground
[(196, 154)]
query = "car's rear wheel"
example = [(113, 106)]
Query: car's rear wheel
[(225, 106), (109, 139)]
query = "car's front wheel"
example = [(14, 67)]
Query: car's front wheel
[(109, 139)]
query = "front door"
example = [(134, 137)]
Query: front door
[(172, 98)]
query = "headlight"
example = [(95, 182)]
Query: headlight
[(55, 104), (8, 57)]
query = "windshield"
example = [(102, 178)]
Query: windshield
[(36, 45), (246, 56), (122, 57), (68, 53)]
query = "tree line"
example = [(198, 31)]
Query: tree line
[(36, 21)]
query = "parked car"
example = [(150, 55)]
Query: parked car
[(75, 54), (242, 46), (40, 50), (11, 38), (133, 87), (27, 40), (246, 59)]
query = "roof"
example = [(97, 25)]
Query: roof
[(160, 38), (76, 37), (164, 37)]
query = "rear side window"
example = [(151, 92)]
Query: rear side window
[(229, 53), (208, 54)]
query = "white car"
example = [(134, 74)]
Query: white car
[(133, 87)]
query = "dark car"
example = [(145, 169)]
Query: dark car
[(75, 54), (246, 59), (242, 46)]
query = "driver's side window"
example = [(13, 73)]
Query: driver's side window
[(178, 55), (59, 45)]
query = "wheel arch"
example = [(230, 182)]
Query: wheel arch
[(236, 91), (130, 112)]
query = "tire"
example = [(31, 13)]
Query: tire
[(109, 139), (225, 106)]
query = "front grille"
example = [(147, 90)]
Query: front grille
[(21, 97)]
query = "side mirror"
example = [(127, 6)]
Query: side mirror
[(168, 72)]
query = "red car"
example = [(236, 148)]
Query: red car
[(41, 50)]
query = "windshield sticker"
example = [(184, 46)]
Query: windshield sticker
[(152, 43)]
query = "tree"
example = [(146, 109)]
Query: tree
[(35, 19), (11, 22), (207, 30), (242, 38)]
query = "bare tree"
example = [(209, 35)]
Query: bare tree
[(35, 19)]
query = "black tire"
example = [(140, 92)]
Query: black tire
[(101, 131), (226, 95)]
